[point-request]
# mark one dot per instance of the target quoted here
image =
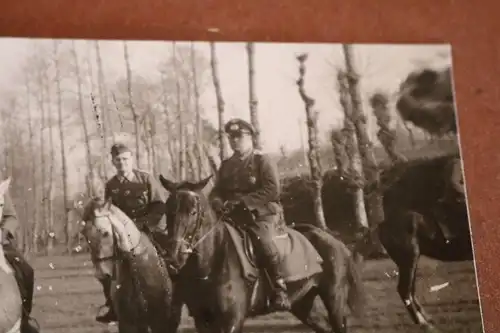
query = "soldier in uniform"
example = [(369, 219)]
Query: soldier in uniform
[(23, 271), (141, 197), (251, 178)]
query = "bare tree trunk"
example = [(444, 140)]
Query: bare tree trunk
[(312, 128), (199, 128), (338, 143), (62, 141), (42, 152), (168, 126), (81, 113), (372, 174), (34, 188), (103, 104), (135, 116), (34, 182), (220, 100), (302, 145), (352, 151), (152, 136), (387, 136), (50, 208), (254, 116), (180, 115)]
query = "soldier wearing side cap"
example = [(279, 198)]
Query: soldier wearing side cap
[(141, 197), (250, 177)]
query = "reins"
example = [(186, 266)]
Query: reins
[(192, 246)]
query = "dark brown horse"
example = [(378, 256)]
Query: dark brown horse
[(425, 214), (220, 284), (142, 288)]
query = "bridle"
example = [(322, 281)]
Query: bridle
[(117, 253), (190, 238)]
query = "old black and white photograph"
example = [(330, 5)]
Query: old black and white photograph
[(228, 187)]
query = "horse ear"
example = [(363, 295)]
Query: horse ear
[(200, 185), (168, 184)]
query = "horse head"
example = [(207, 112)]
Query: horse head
[(185, 209), (108, 231)]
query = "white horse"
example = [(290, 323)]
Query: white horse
[(10, 296)]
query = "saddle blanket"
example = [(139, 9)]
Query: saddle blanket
[(298, 258)]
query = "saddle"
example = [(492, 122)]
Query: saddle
[(298, 258)]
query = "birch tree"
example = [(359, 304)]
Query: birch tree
[(81, 112), (131, 105), (312, 131), (371, 170), (254, 116), (352, 151), (220, 100), (62, 140)]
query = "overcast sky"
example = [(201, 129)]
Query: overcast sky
[(382, 66)]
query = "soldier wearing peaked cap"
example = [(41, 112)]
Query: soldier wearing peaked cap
[(137, 194), (251, 178)]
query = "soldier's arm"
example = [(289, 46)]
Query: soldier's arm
[(156, 207), (9, 222), (269, 188)]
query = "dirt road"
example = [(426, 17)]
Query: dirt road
[(67, 297)]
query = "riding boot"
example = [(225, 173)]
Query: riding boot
[(110, 315), (279, 301)]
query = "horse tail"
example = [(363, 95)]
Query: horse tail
[(356, 297)]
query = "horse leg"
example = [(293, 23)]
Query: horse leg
[(169, 321), (309, 311), (334, 300), (404, 250)]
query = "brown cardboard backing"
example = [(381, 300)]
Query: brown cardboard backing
[(471, 28)]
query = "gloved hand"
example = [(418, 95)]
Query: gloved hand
[(231, 204)]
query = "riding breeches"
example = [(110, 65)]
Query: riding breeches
[(262, 232), (24, 274)]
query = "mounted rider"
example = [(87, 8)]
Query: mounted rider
[(23, 272), (250, 177), (140, 197)]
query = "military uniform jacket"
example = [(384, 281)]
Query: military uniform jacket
[(141, 198), (252, 179)]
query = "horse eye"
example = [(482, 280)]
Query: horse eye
[(105, 234), (193, 213)]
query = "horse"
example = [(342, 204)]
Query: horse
[(11, 305), (142, 288), (220, 283), (425, 214)]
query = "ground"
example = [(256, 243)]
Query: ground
[(67, 297)]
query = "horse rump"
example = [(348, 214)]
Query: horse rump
[(339, 265)]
